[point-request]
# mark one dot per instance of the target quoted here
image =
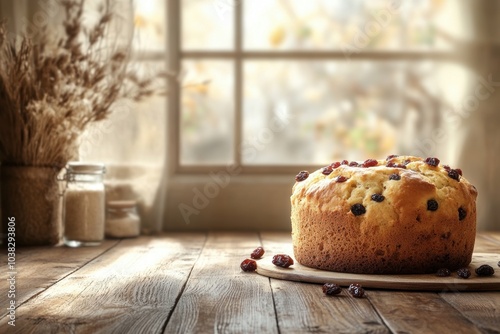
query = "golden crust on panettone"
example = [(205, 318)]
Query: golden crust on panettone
[(403, 233)]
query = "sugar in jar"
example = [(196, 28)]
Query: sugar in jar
[(84, 204), (122, 220)]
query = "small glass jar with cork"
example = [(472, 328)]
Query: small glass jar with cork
[(84, 204)]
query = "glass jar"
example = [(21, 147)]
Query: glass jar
[(122, 220), (84, 205)]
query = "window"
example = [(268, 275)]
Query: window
[(294, 83), (267, 88), (261, 89), (264, 88)]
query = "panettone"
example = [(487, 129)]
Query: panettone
[(400, 215)]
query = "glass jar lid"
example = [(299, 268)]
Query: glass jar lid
[(77, 167)]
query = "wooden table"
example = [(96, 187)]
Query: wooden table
[(192, 283)]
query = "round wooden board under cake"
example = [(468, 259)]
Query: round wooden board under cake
[(426, 282)]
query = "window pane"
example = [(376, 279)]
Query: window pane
[(150, 25), (346, 25), (207, 110), (207, 25), (316, 112)]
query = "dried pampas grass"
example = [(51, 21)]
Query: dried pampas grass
[(51, 90)]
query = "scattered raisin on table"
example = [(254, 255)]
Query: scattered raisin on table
[(302, 176), (378, 197), (370, 163), (461, 213), (358, 209), (282, 260), (248, 265), (432, 205), (331, 289), (356, 290), (463, 273), (485, 270), (395, 177), (257, 253), (353, 286), (432, 161), (443, 272)]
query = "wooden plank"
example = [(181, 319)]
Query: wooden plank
[(219, 297), (302, 307), (493, 237), (129, 289), (480, 308), (275, 242), (37, 268), (487, 243), (419, 312)]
